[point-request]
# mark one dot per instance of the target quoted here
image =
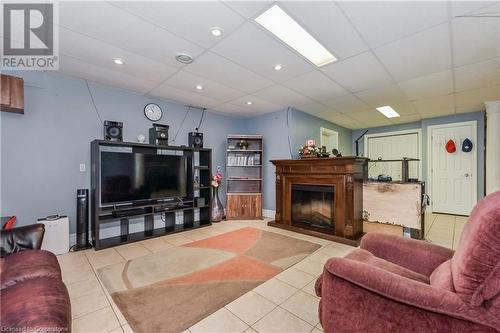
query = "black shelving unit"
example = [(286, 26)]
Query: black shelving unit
[(187, 211)]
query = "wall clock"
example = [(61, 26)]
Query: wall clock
[(153, 112)]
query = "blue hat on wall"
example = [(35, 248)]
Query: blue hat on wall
[(466, 145)]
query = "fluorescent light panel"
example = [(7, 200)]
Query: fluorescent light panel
[(276, 21), (388, 111)]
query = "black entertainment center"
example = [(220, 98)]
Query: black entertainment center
[(134, 181)]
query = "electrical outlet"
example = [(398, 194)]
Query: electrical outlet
[(82, 167)]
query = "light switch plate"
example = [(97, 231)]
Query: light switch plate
[(82, 167)]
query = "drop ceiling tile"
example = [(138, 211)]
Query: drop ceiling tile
[(341, 119), (346, 104), (405, 109), (435, 84), (371, 117), (326, 22), (470, 108), (234, 110), (435, 106), (478, 96), (468, 7), (358, 73), (314, 108), (102, 54), (249, 9), (418, 55), (110, 24), (183, 96), (406, 119), (258, 105), (226, 72), (191, 20), (75, 67), (316, 86), (187, 81), (383, 95), (476, 39), (478, 75), (383, 22), (283, 96), (255, 49)]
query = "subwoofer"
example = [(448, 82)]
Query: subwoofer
[(113, 130), (82, 219), (195, 140)]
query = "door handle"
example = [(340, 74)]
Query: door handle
[(467, 175)]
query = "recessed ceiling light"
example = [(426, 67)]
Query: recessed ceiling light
[(184, 58), (216, 31), (278, 67), (249, 102), (280, 24), (199, 87), (388, 111), (118, 61)]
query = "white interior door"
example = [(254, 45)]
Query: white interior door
[(453, 175), (393, 147)]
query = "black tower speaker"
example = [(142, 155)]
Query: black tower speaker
[(158, 135), (82, 219), (113, 130), (195, 140)]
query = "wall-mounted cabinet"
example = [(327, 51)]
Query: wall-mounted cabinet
[(12, 97)]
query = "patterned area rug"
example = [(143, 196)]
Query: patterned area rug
[(170, 291)]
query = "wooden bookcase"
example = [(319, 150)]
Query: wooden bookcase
[(244, 177)]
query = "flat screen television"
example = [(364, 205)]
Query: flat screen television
[(131, 177)]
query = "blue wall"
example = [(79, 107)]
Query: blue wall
[(278, 130), (477, 116), (42, 149), (305, 126)]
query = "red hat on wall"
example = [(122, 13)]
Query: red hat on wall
[(450, 146)]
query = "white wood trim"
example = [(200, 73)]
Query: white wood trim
[(328, 132), (269, 213), (492, 158), (418, 131), (429, 156)]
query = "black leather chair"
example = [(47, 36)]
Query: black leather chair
[(33, 295), (29, 237)]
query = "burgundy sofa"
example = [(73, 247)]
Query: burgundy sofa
[(395, 284), (33, 297)]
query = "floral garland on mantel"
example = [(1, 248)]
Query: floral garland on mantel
[(310, 150)]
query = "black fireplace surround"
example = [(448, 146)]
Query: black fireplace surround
[(313, 206)]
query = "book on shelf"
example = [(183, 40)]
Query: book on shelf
[(243, 160)]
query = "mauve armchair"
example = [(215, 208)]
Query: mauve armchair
[(395, 284)]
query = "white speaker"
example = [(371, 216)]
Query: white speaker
[(56, 237)]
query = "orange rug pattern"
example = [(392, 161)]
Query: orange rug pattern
[(170, 291)]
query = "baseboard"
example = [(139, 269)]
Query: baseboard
[(269, 213)]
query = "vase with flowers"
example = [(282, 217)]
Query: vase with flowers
[(216, 205)]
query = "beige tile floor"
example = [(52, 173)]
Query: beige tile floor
[(443, 229), (286, 303)]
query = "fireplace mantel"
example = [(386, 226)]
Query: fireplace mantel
[(345, 174)]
